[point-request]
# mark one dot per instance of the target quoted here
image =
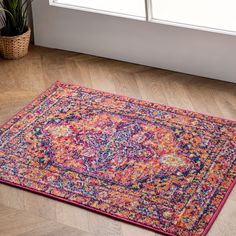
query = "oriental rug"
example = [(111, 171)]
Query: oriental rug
[(159, 167)]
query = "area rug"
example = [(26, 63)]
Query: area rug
[(159, 167)]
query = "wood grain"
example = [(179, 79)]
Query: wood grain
[(24, 213)]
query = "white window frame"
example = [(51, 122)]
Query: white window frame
[(149, 17)]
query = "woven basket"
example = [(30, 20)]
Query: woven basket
[(15, 47)]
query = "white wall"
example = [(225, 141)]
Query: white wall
[(185, 50)]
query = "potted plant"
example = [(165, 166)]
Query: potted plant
[(15, 32)]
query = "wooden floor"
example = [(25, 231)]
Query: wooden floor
[(23, 213)]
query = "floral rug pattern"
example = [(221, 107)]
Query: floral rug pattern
[(159, 167)]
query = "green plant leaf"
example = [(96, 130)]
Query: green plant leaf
[(15, 17)]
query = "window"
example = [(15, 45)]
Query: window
[(126, 8), (211, 15)]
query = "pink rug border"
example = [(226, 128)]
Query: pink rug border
[(86, 207), (143, 100), (210, 223)]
